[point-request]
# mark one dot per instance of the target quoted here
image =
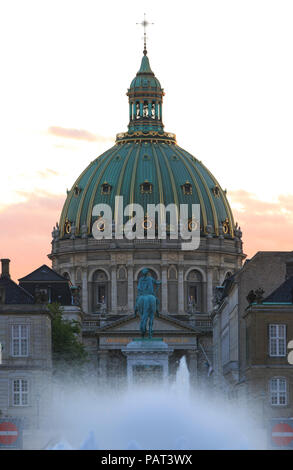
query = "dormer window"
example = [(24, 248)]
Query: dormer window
[(216, 191), (187, 188), (146, 187), (76, 190), (106, 188)]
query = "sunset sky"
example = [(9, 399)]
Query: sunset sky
[(227, 70)]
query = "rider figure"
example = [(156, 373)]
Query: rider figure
[(146, 286)]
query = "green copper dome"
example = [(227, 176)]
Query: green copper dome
[(146, 166), (145, 77)]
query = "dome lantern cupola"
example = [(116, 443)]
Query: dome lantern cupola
[(145, 100)]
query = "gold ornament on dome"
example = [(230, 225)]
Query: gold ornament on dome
[(192, 224), (67, 227), (100, 224), (147, 223), (226, 226)]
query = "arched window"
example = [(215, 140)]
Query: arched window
[(100, 291), (145, 109), (153, 110), (194, 292), (137, 110)]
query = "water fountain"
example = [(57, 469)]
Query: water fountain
[(151, 417)]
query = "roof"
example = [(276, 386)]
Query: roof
[(167, 167), (15, 294), (43, 274), (146, 154), (145, 77), (283, 294)]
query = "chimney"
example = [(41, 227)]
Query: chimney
[(5, 267)]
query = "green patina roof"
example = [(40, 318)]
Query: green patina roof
[(145, 77), (126, 166), (147, 154)]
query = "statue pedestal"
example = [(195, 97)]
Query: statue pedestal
[(147, 361)]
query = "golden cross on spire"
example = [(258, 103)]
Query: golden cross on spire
[(144, 23)]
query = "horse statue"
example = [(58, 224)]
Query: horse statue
[(146, 301)]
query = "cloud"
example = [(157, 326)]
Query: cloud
[(25, 231), (77, 134), (265, 225), (25, 227), (47, 173)]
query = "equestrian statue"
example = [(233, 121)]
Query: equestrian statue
[(147, 302)]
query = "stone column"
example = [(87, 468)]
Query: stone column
[(84, 291), (209, 290), (164, 290), (130, 289), (180, 290), (113, 290)]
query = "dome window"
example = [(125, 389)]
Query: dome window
[(106, 188), (187, 188), (146, 188), (76, 190), (216, 191)]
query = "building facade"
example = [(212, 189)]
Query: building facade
[(252, 328), (26, 362)]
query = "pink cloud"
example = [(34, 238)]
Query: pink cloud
[(265, 225), (77, 134), (25, 230), (47, 173)]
